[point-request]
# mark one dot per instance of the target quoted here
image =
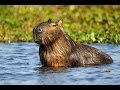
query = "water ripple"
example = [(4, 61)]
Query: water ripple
[(20, 64)]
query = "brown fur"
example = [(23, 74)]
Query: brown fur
[(57, 49)]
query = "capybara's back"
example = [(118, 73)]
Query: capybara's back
[(84, 55), (57, 49)]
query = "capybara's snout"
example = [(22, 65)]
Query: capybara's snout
[(37, 35)]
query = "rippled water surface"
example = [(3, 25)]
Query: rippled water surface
[(20, 64)]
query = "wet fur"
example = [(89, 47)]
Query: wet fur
[(59, 50)]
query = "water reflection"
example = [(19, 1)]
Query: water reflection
[(20, 64), (51, 69)]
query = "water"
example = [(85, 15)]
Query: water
[(20, 65)]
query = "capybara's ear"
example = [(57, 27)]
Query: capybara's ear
[(49, 20), (59, 22)]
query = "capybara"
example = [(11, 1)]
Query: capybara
[(58, 49)]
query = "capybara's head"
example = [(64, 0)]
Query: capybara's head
[(47, 32)]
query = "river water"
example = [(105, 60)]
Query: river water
[(20, 65)]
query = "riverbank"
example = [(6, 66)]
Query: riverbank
[(87, 24)]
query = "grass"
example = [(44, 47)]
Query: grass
[(87, 24)]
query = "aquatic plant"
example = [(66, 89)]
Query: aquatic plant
[(87, 24)]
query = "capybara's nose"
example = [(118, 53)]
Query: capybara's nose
[(34, 34), (33, 30)]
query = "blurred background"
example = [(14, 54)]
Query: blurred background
[(84, 23)]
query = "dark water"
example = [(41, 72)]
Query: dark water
[(19, 64)]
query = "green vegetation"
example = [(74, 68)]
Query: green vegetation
[(87, 24)]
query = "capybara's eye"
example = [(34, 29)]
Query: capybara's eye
[(39, 29)]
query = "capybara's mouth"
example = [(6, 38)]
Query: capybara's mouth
[(38, 42)]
